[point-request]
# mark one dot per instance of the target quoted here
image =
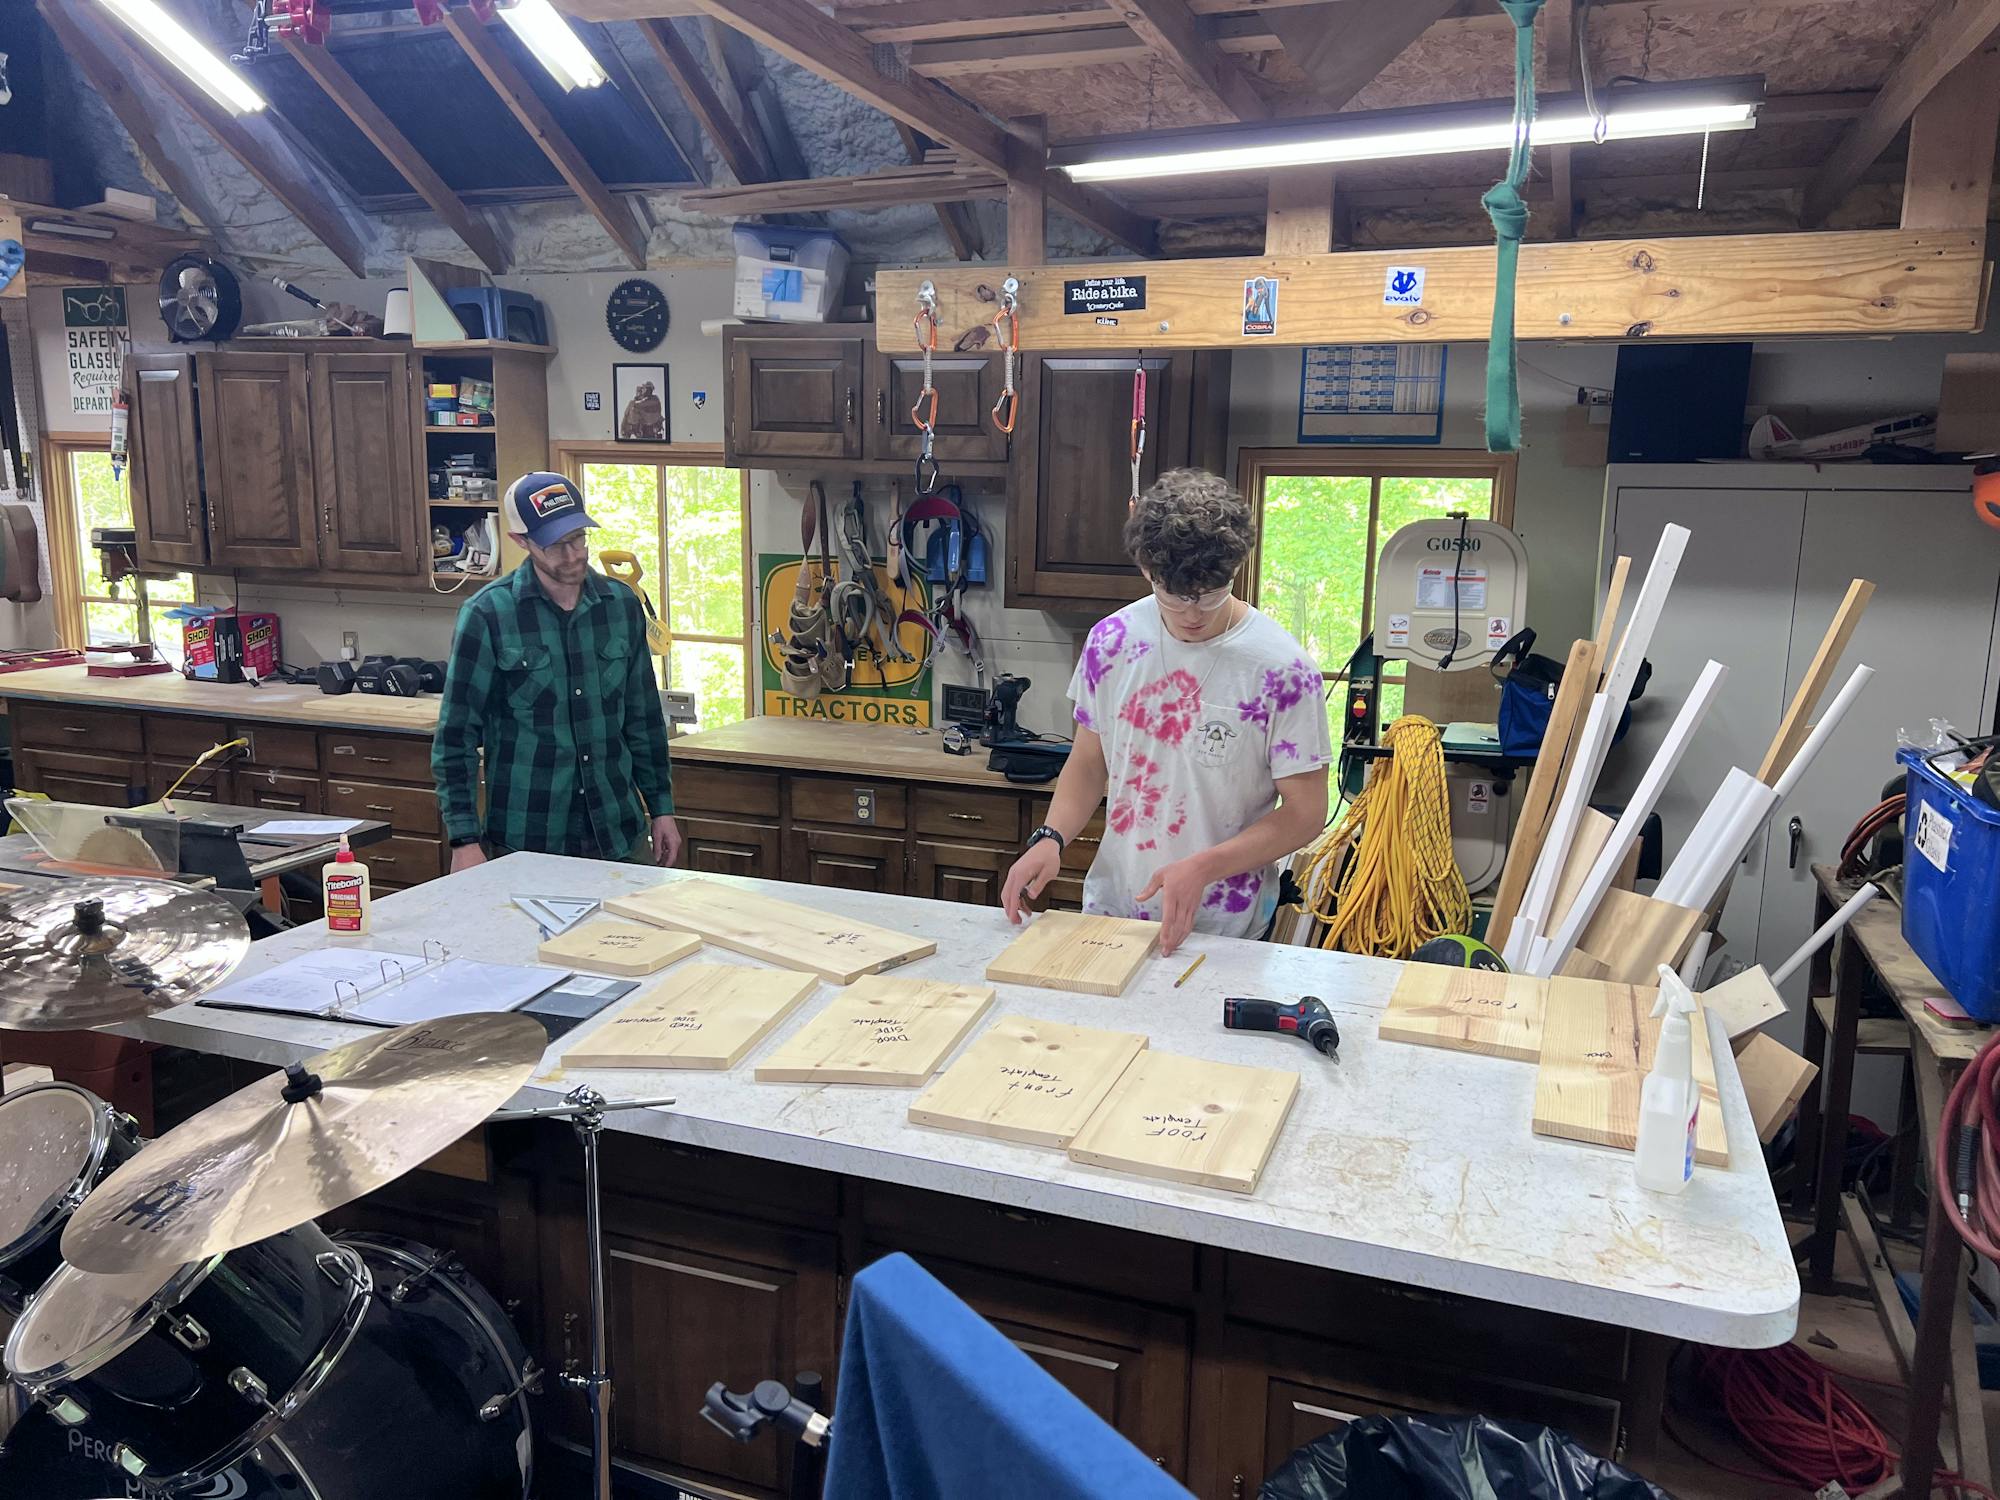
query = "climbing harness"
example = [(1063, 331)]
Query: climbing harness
[(954, 554), (924, 413), (809, 663), (1509, 212), (1007, 333), (1138, 445)]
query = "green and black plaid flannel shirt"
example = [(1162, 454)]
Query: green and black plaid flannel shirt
[(567, 710)]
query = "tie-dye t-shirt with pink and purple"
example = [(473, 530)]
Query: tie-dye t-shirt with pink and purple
[(1196, 738)]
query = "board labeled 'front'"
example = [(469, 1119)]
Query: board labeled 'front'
[(1028, 1080), (836, 948), (1189, 1120), (1065, 950), (699, 1016), (880, 1030)]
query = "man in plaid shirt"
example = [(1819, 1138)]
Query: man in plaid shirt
[(550, 677)]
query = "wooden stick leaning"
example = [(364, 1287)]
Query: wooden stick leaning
[(1579, 776), (1579, 681), (1793, 728), (1614, 597)]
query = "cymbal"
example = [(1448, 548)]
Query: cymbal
[(77, 954), (301, 1143)]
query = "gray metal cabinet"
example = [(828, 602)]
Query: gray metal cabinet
[(1774, 547)]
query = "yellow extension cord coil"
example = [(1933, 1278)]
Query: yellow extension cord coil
[(1402, 887)]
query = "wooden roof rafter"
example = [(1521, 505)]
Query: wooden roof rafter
[(1171, 30)]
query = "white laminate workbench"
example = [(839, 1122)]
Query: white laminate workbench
[(1405, 1163)]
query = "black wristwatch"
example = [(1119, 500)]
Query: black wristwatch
[(462, 843), (1045, 832)]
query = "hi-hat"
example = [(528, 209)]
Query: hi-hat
[(301, 1143), (78, 954)]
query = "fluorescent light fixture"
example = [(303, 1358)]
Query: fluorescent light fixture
[(556, 47), (1630, 113), (158, 29)]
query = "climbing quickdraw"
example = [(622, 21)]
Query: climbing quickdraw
[(924, 413), (1138, 424), (1007, 333)]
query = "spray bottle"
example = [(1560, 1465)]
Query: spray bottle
[(344, 891), (1670, 1103)]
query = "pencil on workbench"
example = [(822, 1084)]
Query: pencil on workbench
[(1199, 959)]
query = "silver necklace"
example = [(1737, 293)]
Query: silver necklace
[(1165, 635)]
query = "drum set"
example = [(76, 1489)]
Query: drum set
[(176, 1324)]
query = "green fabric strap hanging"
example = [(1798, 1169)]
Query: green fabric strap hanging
[(1509, 213)]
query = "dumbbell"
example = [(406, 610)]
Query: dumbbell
[(336, 677), (369, 676)]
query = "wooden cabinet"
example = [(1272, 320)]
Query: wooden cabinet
[(967, 386), (278, 791), (1072, 471), (364, 463), (165, 455), (959, 872), (716, 846), (729, 821), (849, 861), (257, 460), (63, 776), (794, 397)]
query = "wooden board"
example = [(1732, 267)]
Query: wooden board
[(798, 937), (628, 948), (1744, 1001), (1064, 950), (1774, 1079), (1632, 935), (1593, 832), (1028, 1080), (1695, 286), (1531, 823), (699, 1016), (1467, 1010), (878, 1030), (1797, 723), (1598, 1043), (1189, 1120)]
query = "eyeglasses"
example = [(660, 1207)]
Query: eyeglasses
[(1207, 603), (576, 541)]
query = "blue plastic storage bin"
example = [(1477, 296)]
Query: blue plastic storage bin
[(1951, 886)]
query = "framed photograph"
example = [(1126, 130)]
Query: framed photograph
[(639, 403)]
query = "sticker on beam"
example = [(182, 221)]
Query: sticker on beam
[(1105, 294)]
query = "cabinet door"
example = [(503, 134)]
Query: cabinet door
[(851, 861), (256, 458), (364, 463), (959, 872), (715, 846), (205, 785), (166, 460), (101, 781), (1073, 472), (795, 398), (277, 791), (967, 386)]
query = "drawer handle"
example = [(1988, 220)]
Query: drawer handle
[(74, 729), (377, 807), (376, 760), (272, 799), (967, 817), (1080, 839), (382, 859), (343, 749)]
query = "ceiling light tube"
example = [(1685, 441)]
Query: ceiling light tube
[(1628, 114), (158, 29), (555, 45)]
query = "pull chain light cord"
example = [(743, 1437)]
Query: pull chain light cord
[(1401, 887)]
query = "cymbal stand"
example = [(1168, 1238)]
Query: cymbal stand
[(585, 1109)]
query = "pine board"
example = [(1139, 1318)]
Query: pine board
[(699, 1016), (1189, 1120), (879, 1030), (1028, 1080), (1632, 935), (1745, 1001), (835, 948), (1598, 1042), (632, 949), (1467, 1010), (1063, 950), (1774, 1078)]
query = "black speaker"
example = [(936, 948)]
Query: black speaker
[(1679, 403)]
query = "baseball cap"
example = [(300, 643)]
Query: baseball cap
[(544, 507)]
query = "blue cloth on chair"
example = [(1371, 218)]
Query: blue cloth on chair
[(935, 1404)]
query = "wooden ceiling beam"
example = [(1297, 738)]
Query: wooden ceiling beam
[(1172, 32), (884, 189), (1560, 70), (527, 108), (1341, 49), (799, 32), (352, 100), (1953, 32), (1298, 212), (738, 152), (1948, 179), (1028, 178), (961, 230), (320, 206)]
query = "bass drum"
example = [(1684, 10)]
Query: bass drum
[(43, 1460), (431, 1402), (57, 1142)]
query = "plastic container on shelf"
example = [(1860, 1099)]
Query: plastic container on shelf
[(1951, 879)]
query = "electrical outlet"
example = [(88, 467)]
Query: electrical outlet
[(678, 706), (350, 645)]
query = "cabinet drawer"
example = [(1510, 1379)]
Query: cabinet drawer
[(407, 809), (278, 791), (99, 780), (63, 727), (715, 846), (832, 800), (401, 861), (716, 789), (958, 814), (177, 738), (287, 749), (1064, 893), (206, 785), (1079, 851), (390, 757)]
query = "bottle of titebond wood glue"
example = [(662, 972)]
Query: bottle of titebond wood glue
[(344, 891)]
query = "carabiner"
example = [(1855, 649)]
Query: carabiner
[(926, 486), (1010, 403), (924, 414)]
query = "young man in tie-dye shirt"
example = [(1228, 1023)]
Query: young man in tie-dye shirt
[(1200, 724)]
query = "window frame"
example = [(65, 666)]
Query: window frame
[(66, 546), (570, 458)]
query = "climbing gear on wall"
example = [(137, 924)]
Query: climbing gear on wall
[(954, 554), (1138, 443), (809, 664), (1509, 212), (924, 413), (1007, 333)]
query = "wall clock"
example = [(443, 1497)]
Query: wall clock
[(636, 315)]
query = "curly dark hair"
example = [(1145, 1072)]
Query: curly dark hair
[(1190, 532)]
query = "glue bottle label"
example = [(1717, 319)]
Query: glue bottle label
[(346, 909)]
